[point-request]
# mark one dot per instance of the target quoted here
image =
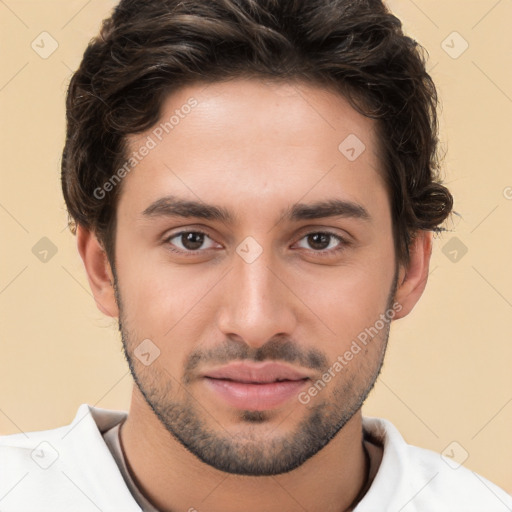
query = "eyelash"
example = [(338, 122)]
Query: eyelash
[(329, 252)]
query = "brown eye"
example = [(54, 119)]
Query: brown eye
[(323, 242), (319, 241), (190, 241)]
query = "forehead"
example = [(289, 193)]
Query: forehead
[(251, 140), (260, 107)]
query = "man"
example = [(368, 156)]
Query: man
[(254, 189)]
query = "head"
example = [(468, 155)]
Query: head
[(253, 181)]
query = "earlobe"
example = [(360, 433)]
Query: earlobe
[(413, 277), (99, 272)]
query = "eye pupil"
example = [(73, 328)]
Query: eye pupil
[(319, 240), (192, 241)]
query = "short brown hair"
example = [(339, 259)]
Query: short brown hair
[(149, 48)]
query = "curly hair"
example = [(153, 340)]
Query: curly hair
[(149, 48)]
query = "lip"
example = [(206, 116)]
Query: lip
[(256, 373), (255, 386)]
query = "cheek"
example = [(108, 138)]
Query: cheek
[(350, 298), (160, 299), (348, 303)]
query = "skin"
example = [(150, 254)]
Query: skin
[(254, 148)]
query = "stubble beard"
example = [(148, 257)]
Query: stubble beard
[(254, 450)]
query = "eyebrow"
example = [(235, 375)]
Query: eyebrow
[(172, 206)]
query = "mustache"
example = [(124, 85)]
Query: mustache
[(274, 350)]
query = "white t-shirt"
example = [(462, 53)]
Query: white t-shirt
[(72, 469)]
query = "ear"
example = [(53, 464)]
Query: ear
[(99, 272), (413, 277)]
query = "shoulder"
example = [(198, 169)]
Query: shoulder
[(415, 479), (63, 468), (449, 482), (87, 427)]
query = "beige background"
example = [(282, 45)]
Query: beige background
[(447, 376)]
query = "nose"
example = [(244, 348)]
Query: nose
[(257, 303)]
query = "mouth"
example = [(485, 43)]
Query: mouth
[(255, 386)]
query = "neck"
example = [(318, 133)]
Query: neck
[(174, 479)]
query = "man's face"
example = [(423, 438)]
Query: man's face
[(248, 313)]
